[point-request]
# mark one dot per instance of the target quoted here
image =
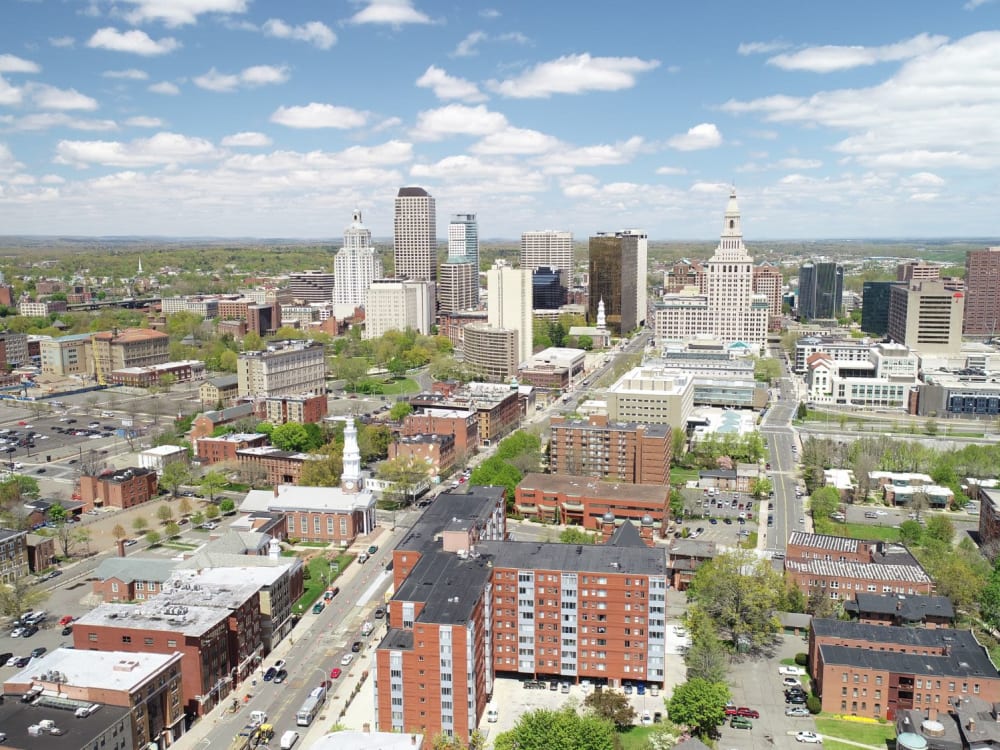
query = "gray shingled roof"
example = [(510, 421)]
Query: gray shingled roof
[(128, 569)]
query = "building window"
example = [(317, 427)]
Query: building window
[(126, 639)]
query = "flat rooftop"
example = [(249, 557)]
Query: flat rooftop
[(582, 558), (966, 659), (591, 487), (16, 717), (190, 620), (448, 585), (105, 670), (474, 508)]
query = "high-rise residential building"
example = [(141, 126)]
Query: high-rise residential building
[(821, 290), (614, 275), (729, 310), (982, 292), (875, 307), (548, 288), (548, 248), (492, 353), (311, 286), (293, 368), (356, 265), (414, 241), (917, 270), (398, 304), (457, 287), (767, 280), (620, 451), (509, 304), (463, 239), (926, 316), (684, 273)]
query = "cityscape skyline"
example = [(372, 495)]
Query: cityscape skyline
[(203, 118)]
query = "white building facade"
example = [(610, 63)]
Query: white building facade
[(398, 304), (509, 304), (356, 265), (547, 249)]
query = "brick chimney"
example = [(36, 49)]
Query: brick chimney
[(121, 548), (607, 525), (646, 530)]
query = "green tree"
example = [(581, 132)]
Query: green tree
[(699, 704), (989, 600), (543, 729), (172, 530), (165, 513), (290, 436), (400, 410), (676, 504), (576, 535), (767, 370), (739, 593), (802, 411), (761, 487), (58, 514), (212, 483), (910, 533), (212, 512), (612, 706), (19, 596), (706, 657), (495, 471), (373, 442), (585, 342), (824, 502), (405, 475), (227, 506), (153, 537), (140, 524), (174, 475), (197, 518), (252, 342), (941, 528), (184, 507)]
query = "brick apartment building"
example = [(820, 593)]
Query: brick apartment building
[(206, 423), (219, 391), (118, 488), (437, 451), (901, 610), (584, 501), (266, 464), (131, 579), (132, 347), (462, 424), (304, 409), (842, 567), (214, 450), (13, 555), (989, 516), (622, 451), (875, 671), (497, 407), (464, 598), (150, 375), (146, 685)]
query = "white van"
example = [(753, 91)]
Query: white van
[(492, 715), (288, 739)]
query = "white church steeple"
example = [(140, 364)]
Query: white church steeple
[(602, 321), (350, 480)]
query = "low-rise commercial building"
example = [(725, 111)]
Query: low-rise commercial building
[(461, 424), (436, 451), (306, 408), (153, 375), (213, 450), (497, 407), (13, 555), (159, 456), (265, 464), (131, 579), (118, 488), (206, 423)]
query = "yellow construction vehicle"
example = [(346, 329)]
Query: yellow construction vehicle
[(252, 735)]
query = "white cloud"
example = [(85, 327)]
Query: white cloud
[(246, 138), (575, 74), (135, 41), (761, 48), (924, 197), (796, 163), (62, 41), (457, 119), (9, 94), (704, 135), (939, 110), (166, 88), (144, 122), (314, 32), (470, 175), (132, 74), (516, 141), (445, 86), (355, 157), (923, 179), (38, 121), (181, 12), (391, 12), (489, 13), (711, 188), (49, 97), (316, 115), (257, 75), (973, 4), (467, 47), (14, 64), (7, 161), (603, 154), (671, 170), (162, 148), (829, 58)]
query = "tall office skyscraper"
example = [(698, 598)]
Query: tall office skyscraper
[(356, 265), (618, 276), (549, 249), (414, 242), (463, 250), (821, 290), (509, 304), (875, 296), (982, 292)]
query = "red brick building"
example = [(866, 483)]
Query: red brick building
[(318, 514), (437, 451), (118, 488), (269, 465), (497, 407), (306, 409), (889, 609), (875, 671), (839, 567), (213, 450), (599, 447), (206, 422), (126, 579), (462, 424), (581, 501)]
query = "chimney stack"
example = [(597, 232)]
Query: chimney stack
[(121, 548)]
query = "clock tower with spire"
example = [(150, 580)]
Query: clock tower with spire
[(350, 479)]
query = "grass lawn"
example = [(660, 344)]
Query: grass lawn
[(179, 545), (314, 585), (636, 737), (750, 542), (855, 731), (680, 475), (399, 386), (864, 531), (320, 545)]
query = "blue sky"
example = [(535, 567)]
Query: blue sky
[(277, 119)]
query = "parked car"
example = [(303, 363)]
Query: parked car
[(5, 657), (346, 659), (791, 682), (335, 673), (808, 737), (373, 549), (379, 613), (748, 713), (68, 630), (281, 676), (36, 652), (738, 722), (647, 718), (130, 542), (29, 631), (797, 711), (798, 699), (22, 661), (269, 674), (356, 647)]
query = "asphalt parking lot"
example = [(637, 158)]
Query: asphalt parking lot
[(755, 683)]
